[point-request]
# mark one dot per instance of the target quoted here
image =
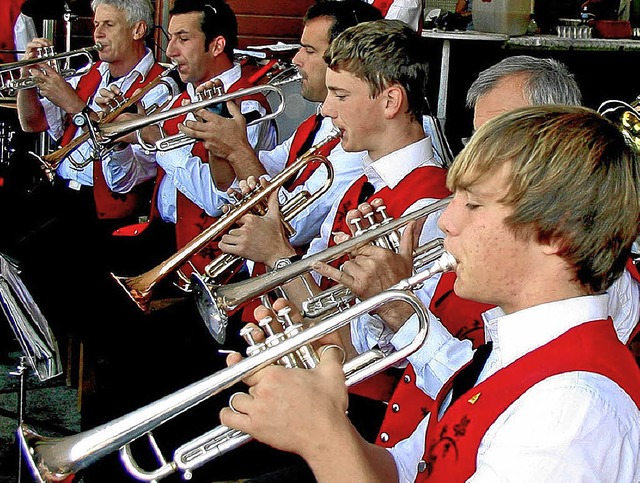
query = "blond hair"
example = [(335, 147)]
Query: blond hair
[(573, 180)]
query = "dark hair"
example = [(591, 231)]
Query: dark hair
[(345, 14), (217, 19)]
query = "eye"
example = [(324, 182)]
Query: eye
[(471, 206)]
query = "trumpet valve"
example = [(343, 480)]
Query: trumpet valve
[(273, 339), (357, 223), (306, 354), (247, 333)]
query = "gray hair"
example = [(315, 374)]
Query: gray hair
[(136, 10), (547, 81)]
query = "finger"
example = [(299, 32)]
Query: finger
[(234, 110), (115, 89), (233, 358), (260, 312), (330, 272), (408, 240), (273, 205), (332, 354), (239, 402), (233, 420), (282, 306), (340, 237)]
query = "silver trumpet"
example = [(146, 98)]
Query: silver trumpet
[(11, 81), (106, 133), (215, 302), (52, 459)]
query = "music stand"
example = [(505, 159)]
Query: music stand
[(39, 346)]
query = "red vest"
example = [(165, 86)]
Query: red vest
[(191, 219), (452, 443), (422, 182), (8, 16), (109, 205)]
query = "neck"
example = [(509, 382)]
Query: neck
[(396, 135), (221, 64), (124, 66)]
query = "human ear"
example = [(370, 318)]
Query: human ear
[(393, 98), (139, 30)]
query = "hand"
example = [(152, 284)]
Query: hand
[(295, 410), (109, 100), (53, 86), (259, 238)]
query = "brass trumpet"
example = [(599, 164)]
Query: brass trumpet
[(50, 162), (140, 288), (106, 133), (625, 116), (215, 302), (51, 459), (11, 82)]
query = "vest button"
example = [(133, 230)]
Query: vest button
[(384, 437), (407, 378), (422, 466), (395, 407)]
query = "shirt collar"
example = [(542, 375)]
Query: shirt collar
[(141, 69), (516, 334), (228, 78), (394, 167)]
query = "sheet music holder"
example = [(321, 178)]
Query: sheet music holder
[(27, 322)]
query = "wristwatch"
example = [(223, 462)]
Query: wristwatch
[(283, 262)]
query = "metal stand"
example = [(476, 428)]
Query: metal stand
[(21, 372)]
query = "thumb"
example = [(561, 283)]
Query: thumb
[(408, 240)]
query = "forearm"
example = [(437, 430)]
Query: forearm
[(31, 114), (245, 163), (346, 456)]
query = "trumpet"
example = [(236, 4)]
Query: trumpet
[(106, 133), (140, 288), (11, 82), (625, 116), (215, 302), (50, 162), (57, 458), (288, 211), (339, 297)]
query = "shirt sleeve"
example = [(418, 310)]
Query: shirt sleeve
[(408, 11)]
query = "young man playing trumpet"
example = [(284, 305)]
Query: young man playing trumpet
[(557, 397)]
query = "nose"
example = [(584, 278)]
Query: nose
[(447, 219), (297, 59), (171, 50), (98, 32), (328, 109)]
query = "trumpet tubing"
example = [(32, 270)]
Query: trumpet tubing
[(110, 131), (140, 288), (216, 301), (11, 81), (626, 117), (51, 459), (50, 162)]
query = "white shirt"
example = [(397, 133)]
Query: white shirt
[(409, 11), (192, 177), (346, 168), (576, 426), (122, 170)]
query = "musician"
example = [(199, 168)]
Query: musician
[(125, 62), (225, 138), (559, 396), (203, 35), (514, 82)]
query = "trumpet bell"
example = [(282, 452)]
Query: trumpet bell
[(216, 320), (625, 116)]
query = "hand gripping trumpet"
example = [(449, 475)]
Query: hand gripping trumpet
[(140, 288), (50, 162), (215, 302), (106, 133), (10, 80), (53, 459)]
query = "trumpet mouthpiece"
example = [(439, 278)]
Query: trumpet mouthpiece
[(98, 46)]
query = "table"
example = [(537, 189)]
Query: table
[(531, 42)]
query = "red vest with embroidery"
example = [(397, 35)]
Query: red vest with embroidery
[(452, 443), (191, 219), (109, 205), (408, 404)]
